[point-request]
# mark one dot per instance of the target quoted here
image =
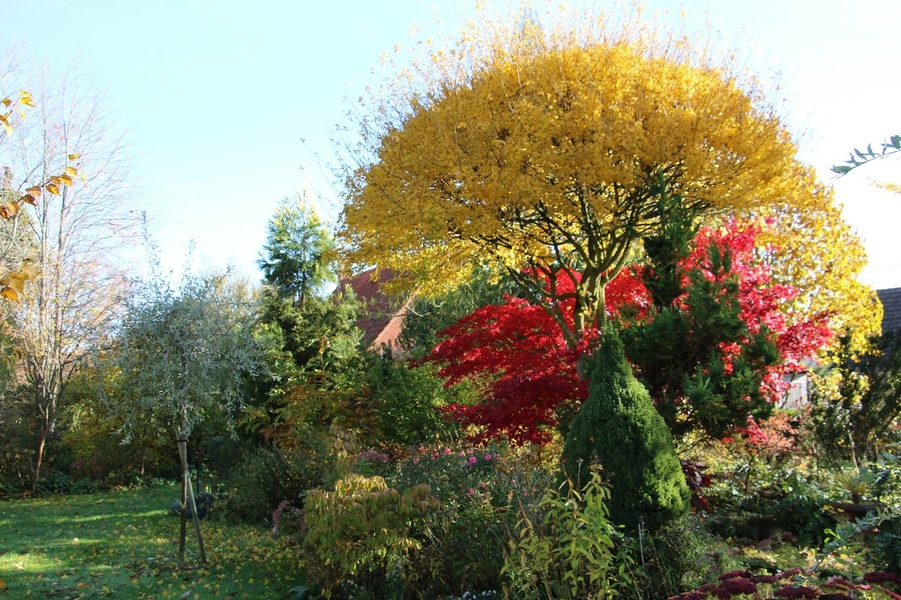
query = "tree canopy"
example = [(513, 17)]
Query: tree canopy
[(545, 148)]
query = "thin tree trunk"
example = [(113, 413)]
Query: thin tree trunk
[(184, 514), (188, 503), (193, 504), (42, 443)]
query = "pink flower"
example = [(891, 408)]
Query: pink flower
[(471, 460), (416, 461), (487, 457), (470, 492), (447, 451)]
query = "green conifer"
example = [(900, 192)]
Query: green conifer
[(619, 428)]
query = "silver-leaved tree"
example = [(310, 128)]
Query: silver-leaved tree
[(184, 352)]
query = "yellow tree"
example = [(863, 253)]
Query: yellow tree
[(548, 147), (815, 251)]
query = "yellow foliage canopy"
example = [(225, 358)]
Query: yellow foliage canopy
[(546, 148), (816, 252)]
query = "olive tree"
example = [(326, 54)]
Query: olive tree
[(184, 353)]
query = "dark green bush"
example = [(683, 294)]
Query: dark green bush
[(462, 539), (669, 560), (619, 428), (266, 476), (770, 511), (406, 402), (885, 547), (53, 481)]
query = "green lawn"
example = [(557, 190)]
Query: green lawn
[(123, 544)]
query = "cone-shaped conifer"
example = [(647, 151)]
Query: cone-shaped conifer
[(619, 428)]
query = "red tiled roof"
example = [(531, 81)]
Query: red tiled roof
[(381, 320)]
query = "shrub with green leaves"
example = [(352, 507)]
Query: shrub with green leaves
[(619, 428), (566, 549), (358, 536), (407, 399), (670, 559), (266, 476)]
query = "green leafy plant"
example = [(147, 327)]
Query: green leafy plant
[(463, 538), (567, 548), (266, 476), (862, 157)]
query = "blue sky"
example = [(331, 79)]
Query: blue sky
[(229, 103)]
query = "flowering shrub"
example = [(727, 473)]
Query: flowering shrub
[(462, 540), (451, 474)]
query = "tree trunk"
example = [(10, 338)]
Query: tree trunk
[(188, 503), (184, 514), (39, 461)]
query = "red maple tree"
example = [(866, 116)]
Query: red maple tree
[(529, 375)]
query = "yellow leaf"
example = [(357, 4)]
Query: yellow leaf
[(25, 98), (6, 103), (9, 210), (29, 199), (9, 294), (34, 191), (52, 188), (65, 180), (75, 156), (14, 281), (6, 126), (27, 271), (71, 171)]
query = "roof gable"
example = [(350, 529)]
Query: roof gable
[(381, 319)]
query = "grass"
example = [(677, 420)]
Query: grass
[(123, 544)]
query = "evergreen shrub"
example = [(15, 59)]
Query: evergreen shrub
[(619, 428)]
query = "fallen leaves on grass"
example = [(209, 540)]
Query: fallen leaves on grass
[(123, 544)]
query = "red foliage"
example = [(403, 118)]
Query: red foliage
[(529, 370), (517, 351)]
